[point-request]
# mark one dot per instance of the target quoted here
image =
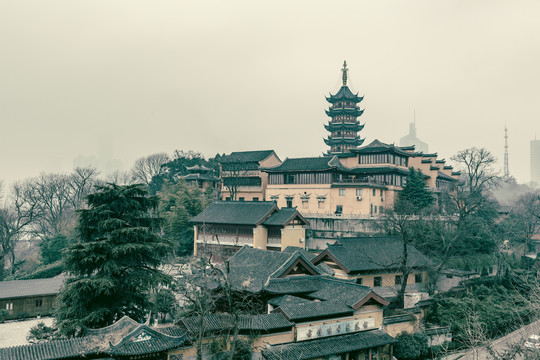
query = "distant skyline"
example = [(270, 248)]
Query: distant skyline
[(222, 76)]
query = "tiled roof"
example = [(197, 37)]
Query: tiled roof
[(223, 322), (198, 168), (380, 170), (286, 299), (372, 253), (443, 176), (283, 217), (345, 291), (236, 212), (323, 347), (293, 285), (193, 177), (322, 163), (247, 156), (377, 146), (314, 309), (310, 256), (250, 269), (34, 287), (344, 93), (145, 340), (126, 337)]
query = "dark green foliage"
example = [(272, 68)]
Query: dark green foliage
[(411, 346), (174, 169), (114, 262), (164, 303), (41, 333), (497, 305), (178, 204), (415, 195), (52, 248), (45, 272)]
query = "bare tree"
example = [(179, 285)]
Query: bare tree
[(16, 217), (120, 178), (82, 182), (146, 168)]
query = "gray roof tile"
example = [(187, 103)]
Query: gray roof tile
[(236, 212), (247, 156), (314, 309), (34, 287), (323, 347)]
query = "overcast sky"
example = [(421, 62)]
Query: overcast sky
[(140, 77)]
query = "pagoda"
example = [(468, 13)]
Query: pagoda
[(344, 125)]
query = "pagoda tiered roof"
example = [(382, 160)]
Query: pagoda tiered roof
[(344, 111), (356, 141), (344, 94), (377, 146), (344, 126)]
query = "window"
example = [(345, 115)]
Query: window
[(339, 209), (227, 199), (377, 281), (9, 306), (321, 203), (358, 192), (341, 192), (381, 209), (304, 203), (289, 201), (374, 192), (418, 278), (398, 279), (241, 199), (360, 281), (255, 199), (381, 193), (39, 303)]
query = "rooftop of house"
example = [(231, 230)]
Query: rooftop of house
[(284, 216), (27, 288), (236, 212), (222, 322), (321, 163), (248, 156), (377, 146), (371, 254), (313, 310), (255, 270), (251, 269), (321, 348), (123, 338)]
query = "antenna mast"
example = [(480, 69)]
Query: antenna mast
[(506, 168)]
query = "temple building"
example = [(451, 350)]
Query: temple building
[(344, 113)]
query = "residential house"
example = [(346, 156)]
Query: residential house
[(224, 227), (28, 298), (242, 179), (376, 262)]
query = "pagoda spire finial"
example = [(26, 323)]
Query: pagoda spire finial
[(345, 70)]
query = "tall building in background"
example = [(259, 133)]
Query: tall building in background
[(411, 139), (344, 113), (535, 161)]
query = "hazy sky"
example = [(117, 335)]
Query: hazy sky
[(221, 76)]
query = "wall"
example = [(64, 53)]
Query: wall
[(26, 307), (293, 236)]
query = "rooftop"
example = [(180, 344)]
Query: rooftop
[(35, 287), (319, 348), (323, 163), (248, 156), (236, 212), (371, 253)]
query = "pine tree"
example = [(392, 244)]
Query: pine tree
[(114, 263), (415, 196)]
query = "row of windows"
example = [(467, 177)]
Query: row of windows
[(382, 159), (9, 305), (360, 192), (398, 279), (302, 178)]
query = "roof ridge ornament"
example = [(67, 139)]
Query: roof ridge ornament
[(345, 70)]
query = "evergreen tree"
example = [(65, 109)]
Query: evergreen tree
[(415, 196), (114, 262)]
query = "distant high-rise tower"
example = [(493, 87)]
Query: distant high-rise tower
[(506, 167), (535, 161), (344, 112), (411, 139)]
